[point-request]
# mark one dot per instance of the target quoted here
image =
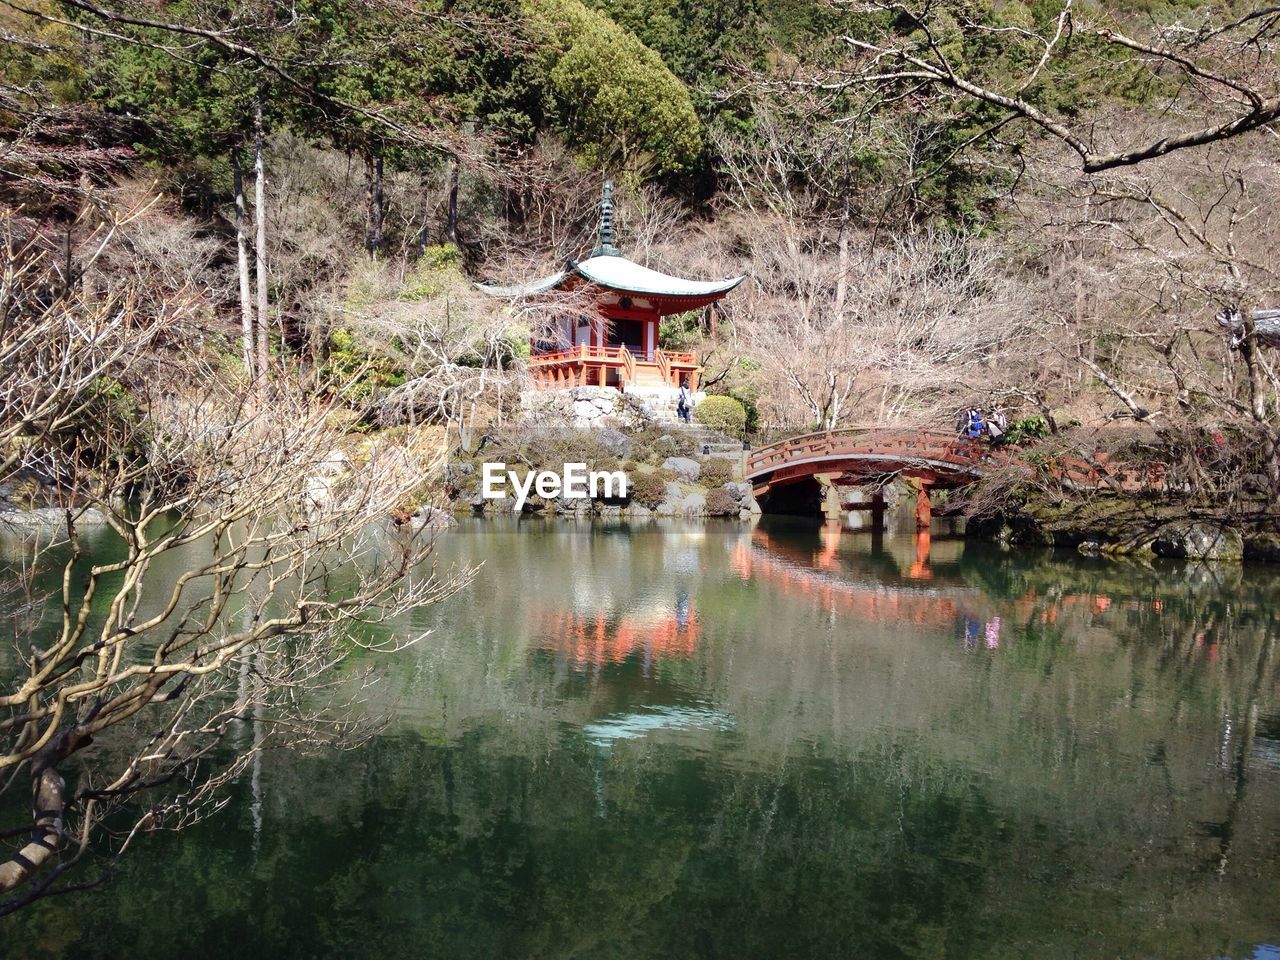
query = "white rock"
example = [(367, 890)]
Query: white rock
[(431, 518), (683, 467), (1198, 541)]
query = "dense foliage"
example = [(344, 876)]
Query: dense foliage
[(612, 94), (722, 413)]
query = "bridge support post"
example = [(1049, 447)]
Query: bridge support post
[(924, 506), (860, 508), (920, 566), (832, 508)]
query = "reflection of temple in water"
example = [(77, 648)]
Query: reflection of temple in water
[(622, 604), (595, 640), (907, 582)]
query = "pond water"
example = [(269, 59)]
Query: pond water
[(704, 740)]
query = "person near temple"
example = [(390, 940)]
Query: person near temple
[(682, 401)]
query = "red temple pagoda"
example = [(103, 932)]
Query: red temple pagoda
[(616, 343)]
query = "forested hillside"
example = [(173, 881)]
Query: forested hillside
[(1040, 205)]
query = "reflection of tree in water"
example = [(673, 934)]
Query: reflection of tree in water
[(1240, 766), (469, 851)]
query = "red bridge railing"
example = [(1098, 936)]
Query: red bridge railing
[(940, 453), (961, 455)]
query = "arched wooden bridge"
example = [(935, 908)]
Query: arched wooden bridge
[(935, 457)]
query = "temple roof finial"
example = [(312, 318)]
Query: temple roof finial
[(606, 247)]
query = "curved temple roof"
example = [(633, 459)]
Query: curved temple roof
[(525, 290), (608, 268), (619, 273)]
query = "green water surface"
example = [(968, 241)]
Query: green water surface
[(693, 740)]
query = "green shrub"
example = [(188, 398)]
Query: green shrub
[(440, 256), (721, 503), (748, 396), (432, 275), (647, 489), (368, 373), (722, 413), (680, 331), (1028, 428), (716, 472)]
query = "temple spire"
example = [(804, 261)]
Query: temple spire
[(606, 247)]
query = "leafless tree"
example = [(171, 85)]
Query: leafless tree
[(212, 559), (1150, 256), (1215, 70), (930, 321), (861, 323), (454, 344)]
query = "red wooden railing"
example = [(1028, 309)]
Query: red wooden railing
[(563, 367), (683, 358), (664, 367), (628, 364), (583, 351), (896, 444), (940, 453)]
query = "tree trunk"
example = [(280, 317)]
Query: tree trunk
[(373, 201), (242, 266), (1140, 413), (260, 242), (842, 283), (451, 220), (1258, 401), (47, 805)]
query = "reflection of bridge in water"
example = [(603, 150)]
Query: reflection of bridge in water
[(669, 628), (874, 602), (816, 574)]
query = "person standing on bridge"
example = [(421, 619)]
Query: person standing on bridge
[(974, 426), (997, 426)]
